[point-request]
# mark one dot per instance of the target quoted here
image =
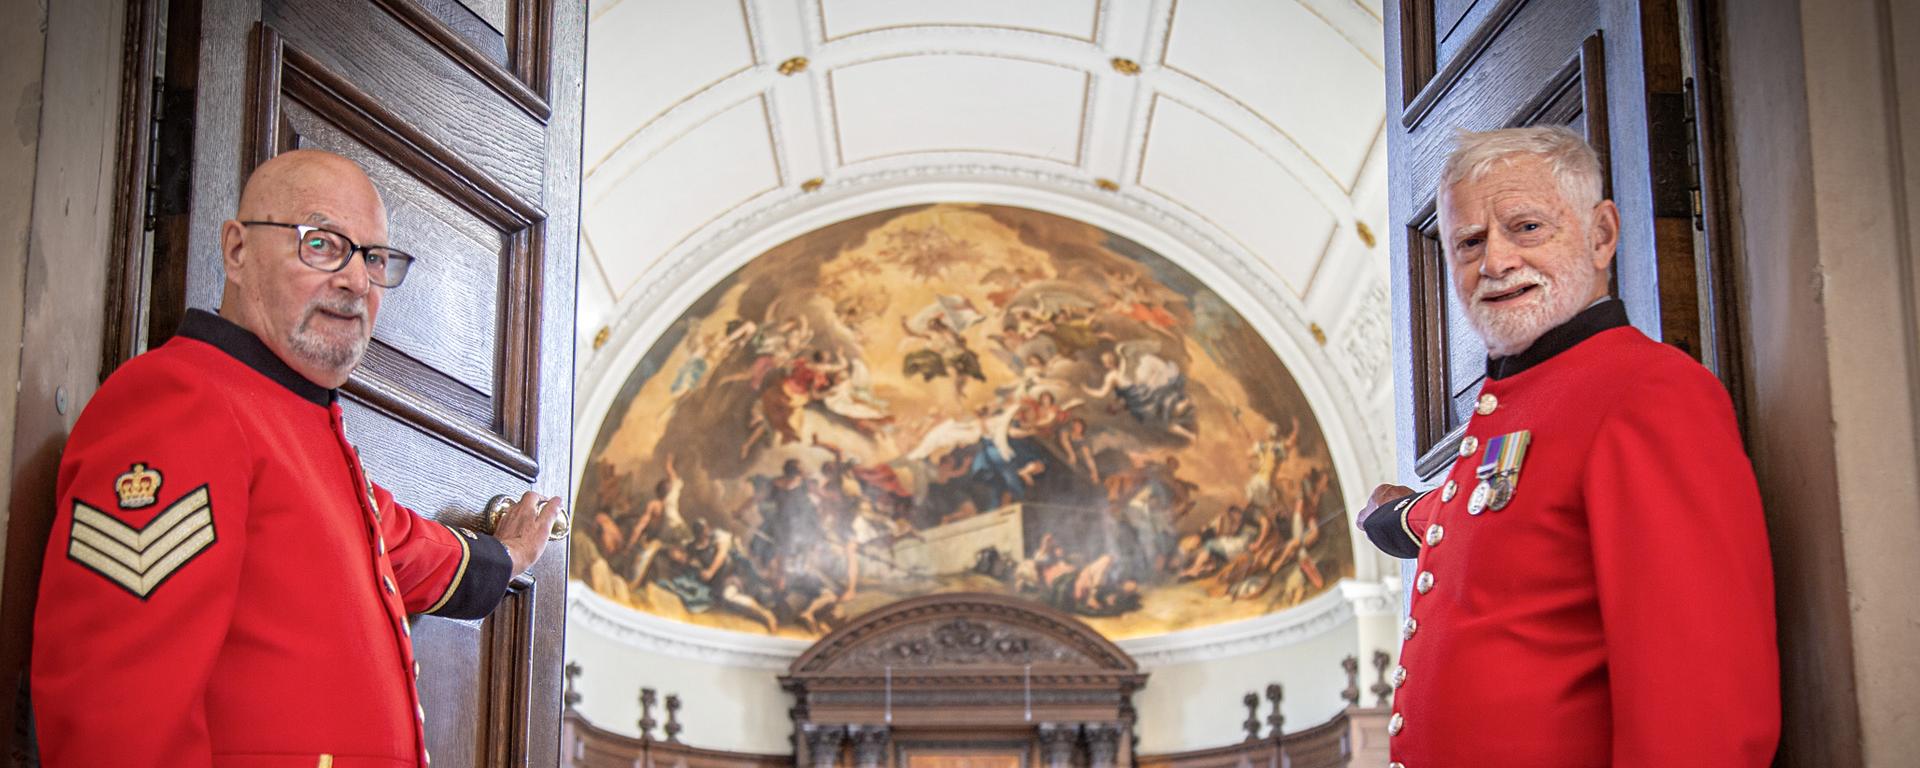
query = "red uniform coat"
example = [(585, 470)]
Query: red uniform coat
[(224, 586), (1618, 611)]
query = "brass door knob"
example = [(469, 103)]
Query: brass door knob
[(498, 505)]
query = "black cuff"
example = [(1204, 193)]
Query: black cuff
[(1387, 528), (477, 587)]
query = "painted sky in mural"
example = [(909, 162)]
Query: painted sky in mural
[(960, 397)]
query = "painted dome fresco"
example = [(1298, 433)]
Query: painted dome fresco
[(959, 397)]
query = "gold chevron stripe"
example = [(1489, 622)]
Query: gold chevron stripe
[(160, 525), (139, 559)]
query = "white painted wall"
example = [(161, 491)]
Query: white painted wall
[(1197, 705), (723, 706)]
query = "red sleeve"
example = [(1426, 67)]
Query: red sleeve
[(441, 570), (1684, 577), (136, 593)]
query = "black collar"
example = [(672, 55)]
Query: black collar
[(1606, 315), (240, 344)]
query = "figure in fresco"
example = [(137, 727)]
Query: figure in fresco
[(1267, 456), (942, 350), (788, 461), (691, 371), (1151, 388)]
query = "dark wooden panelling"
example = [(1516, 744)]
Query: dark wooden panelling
[(447, 314), (127, 263), (1527, 39), (1416, 48), (468, 24), (483, 340), (489, 55), (385, 59)]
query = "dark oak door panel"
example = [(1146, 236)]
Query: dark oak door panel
[(466, 115)]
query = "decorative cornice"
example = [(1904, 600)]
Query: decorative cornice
[(653, 634)]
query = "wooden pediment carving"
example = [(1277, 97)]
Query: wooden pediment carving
[(960, 631)]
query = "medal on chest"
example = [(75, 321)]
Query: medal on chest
[(1499, 471)]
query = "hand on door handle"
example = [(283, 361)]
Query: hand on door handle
[(498, 506)]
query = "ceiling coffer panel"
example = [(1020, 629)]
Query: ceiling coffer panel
[(940, 103)]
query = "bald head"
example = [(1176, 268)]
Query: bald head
[(302, 177), (318, 322)]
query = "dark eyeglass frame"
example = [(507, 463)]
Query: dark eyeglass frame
[(390, 256)]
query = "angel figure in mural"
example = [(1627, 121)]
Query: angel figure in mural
[(1267, 457), (942, 351), (699, 347), (848, 393), (1152, 388)]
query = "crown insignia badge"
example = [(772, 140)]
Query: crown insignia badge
[(138, 487)]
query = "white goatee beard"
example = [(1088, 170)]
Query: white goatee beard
[(340, 355), (1507, 331)]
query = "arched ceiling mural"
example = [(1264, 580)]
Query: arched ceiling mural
[(1238, 139), (960, 398)]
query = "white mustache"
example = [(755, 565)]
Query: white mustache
[(1523, 276)]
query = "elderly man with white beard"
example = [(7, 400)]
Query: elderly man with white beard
[(1593, 582)]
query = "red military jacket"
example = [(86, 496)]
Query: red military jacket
[(1617, 609), (223, 585)]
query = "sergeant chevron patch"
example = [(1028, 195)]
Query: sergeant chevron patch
[(141, 559)]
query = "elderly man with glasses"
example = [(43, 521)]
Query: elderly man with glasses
[(224, 585)]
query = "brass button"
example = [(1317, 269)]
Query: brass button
[(1447, 491), (1396, 765), (405, 628), (420, 712), (1487, 405), (1399, 677), (389, 583), (1424, 583), (1468, 445), (416, 669), (1435, 533), (1407, 629), (1395, 724)]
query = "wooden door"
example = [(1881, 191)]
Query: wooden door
[(1613, 70), (467, 115)]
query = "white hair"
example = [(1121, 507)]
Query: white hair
[(1573, 162)]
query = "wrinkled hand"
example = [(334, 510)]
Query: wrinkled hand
[(524, 527), (1381, 495)]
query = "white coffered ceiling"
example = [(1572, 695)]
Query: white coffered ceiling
[(1242, 138)]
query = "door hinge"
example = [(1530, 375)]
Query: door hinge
[(157, 108), (1694, 172), (1670, 149)]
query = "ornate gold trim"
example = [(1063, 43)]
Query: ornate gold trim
[(793, 66)]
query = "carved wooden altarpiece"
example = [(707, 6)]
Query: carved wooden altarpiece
[(963, 680)]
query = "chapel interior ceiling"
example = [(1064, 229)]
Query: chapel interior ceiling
[(1247, 132)]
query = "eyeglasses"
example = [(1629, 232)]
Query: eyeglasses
[(330, 251)]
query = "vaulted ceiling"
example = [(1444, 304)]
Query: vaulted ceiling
[(1239, 137)]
